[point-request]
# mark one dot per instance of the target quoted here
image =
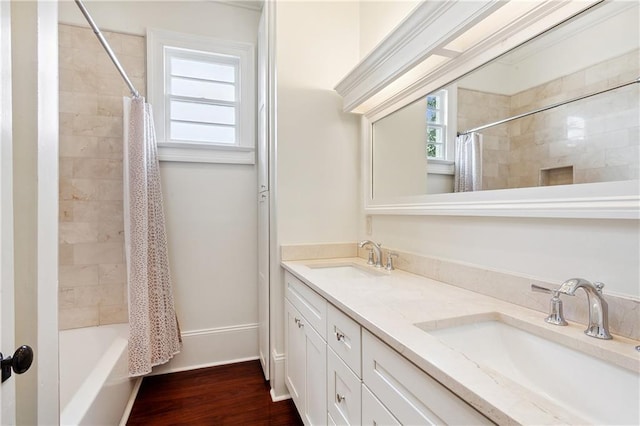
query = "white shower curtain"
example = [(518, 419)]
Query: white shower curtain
[(154, 335), (468, 163)]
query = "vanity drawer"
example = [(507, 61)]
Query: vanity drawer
[(330, 421), (411, 395), (343, 391), (344, 338), (309, 303), (373, 412)]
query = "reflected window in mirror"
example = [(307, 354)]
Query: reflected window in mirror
[(437, 140)]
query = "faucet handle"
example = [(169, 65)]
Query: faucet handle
[(539, 289), (599, 286), (556, 314), (390, 256)]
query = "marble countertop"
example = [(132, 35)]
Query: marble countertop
[(388, 305)]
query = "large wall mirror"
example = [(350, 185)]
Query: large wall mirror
[(575, 90)]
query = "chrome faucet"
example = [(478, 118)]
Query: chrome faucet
[(378, 252), (598, 309)]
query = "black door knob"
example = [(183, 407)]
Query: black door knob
[(19, 362)]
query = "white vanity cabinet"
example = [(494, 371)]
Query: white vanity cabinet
[(340, 374), (306, 350)]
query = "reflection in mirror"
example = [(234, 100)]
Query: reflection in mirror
[(595, 139)]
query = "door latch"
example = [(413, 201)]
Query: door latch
[(20, 362)]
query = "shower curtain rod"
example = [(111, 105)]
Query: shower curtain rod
[(525, 114), (107, 47)]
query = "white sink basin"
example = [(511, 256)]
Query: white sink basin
[(595, 390), (345, 271)]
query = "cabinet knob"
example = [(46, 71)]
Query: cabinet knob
[(340, 398), (339, 336), (299, 322)]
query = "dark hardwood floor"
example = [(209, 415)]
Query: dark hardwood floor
[(235, 394)]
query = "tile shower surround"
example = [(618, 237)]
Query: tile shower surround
[(92, 274), (598, 136)]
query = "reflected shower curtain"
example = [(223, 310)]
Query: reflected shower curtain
[(468, 163), (154, 335)]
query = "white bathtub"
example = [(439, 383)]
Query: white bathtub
[(94, 385)]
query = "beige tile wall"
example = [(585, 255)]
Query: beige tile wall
[(598, 137), (92, 272), (476, 109)]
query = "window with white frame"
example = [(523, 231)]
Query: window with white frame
[(202, 93), (437, 125), (440, 116)]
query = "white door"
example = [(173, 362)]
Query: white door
[(263, 281), (7, 389), (30, 118), (263, 204)]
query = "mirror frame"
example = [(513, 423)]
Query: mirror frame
[(378, 87)]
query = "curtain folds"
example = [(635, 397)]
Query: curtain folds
[(154, 335), (468, 163)]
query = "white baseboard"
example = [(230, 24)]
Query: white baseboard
[(212, 347), (132, 399), (278, 398), (279, 391)]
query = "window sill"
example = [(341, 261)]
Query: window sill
[(439, 167), (198, 153)]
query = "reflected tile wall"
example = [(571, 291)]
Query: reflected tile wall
[(475, 109), (92, 273), (598, 138)]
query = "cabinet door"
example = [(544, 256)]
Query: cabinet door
[(373, 412), (305, 367), (295, 356), (343, 391), (315, 377)]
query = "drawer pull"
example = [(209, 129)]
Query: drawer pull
[(299, 322), (340, 398), (339, 336)]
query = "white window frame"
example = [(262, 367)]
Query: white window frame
[(243, 151), (444, 166)]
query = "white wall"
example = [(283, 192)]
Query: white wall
[(195, 17), (379, 18), (400, 157), (317, 144), (210, 208), (548, 249)]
